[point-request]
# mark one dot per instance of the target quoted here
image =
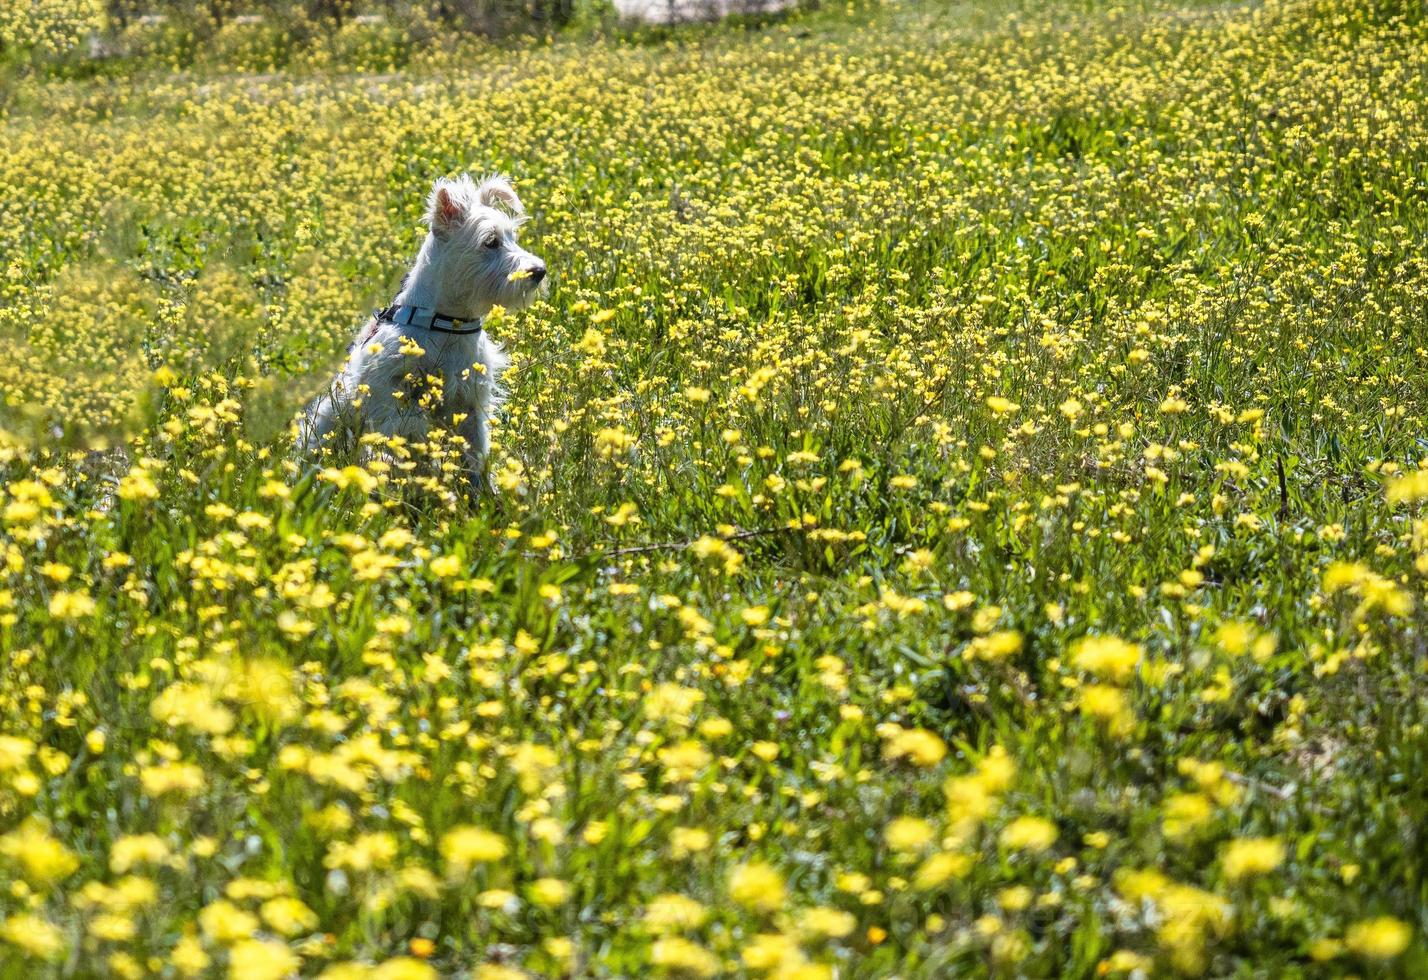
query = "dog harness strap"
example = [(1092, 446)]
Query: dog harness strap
[(427, 319)]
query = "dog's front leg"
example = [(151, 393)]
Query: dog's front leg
[(331, 421), (476, 452), (316, 421)]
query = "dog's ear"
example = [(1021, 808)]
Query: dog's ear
[(497, 189), (445, 208)]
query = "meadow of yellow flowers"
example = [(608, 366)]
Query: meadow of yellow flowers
[(959, 509)]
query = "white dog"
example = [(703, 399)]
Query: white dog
[(425, 359)]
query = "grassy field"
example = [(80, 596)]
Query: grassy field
[(960, 510)]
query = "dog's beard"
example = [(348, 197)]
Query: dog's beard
[(490, 284)]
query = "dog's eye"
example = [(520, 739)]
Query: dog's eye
[(491, 242)]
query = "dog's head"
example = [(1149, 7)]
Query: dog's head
[(474, 227)]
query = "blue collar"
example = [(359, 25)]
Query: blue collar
[(427, 319)]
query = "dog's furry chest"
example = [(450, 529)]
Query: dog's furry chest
[(424, 373)]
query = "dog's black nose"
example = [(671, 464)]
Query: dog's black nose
[(537, 274)]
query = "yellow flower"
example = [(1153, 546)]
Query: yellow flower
[(192, 705), (1185, 813), (137, 486), (757, 886), (939, 868), (350, 476), (294, 627), (71, 605), (1108, 657), (1249, 856), (769, 950), (494, 971), (1107, 705), (994, 647), (1189, 917), (917, 745), (265, 688), (112, 928), (189, 957), (548, 892), (34, 936), (854, 882), (754, 615), (1408, 489), (288, 916), (498, 898), (1382, 938), (15, 752), (445, 566), (42, 858), (673, 913), (224, 922), (592, 342), (908, 834), (1029, 834), (672, 703), (129, 852), (464, 846), (1015, 898), (823, 921), (802, 971), (684, 760), (714, 728), (257, 959), (403, 968), (1234, 637), (346, 972), (547, 830), (1325, 948), (363, 853), (674, 953), (1125, 961), (684, 841), (178, 778)]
